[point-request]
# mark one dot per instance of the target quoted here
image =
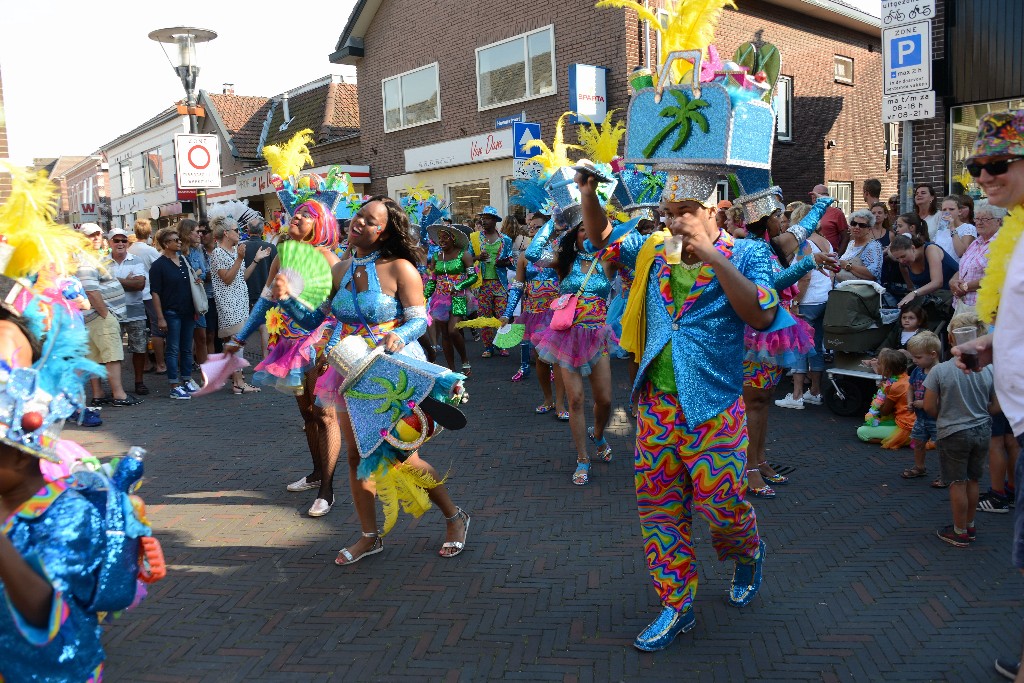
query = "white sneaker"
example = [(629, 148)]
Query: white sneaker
[(190, 386), (808, 397), (180, 394), (790, 402), (320, 508), (303, 485)]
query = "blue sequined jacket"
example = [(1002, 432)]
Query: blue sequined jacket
[(58, 532), (706, 333)]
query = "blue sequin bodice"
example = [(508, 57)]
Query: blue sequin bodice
[(376, 306), (597, 285)]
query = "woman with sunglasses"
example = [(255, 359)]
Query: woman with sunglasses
[(863, 257), (290, 365), (175, 312), (378, 295)]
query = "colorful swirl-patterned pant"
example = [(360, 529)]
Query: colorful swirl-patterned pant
[(677, 467), (492, 297)]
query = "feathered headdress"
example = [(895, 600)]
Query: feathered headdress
[(690, 26), (532, 196), (552, 158), (294, 188), (238, 210), (600, 142)]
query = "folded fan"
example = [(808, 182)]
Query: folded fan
[(308, 273)]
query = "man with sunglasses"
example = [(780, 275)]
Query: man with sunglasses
[(131, 272), (996, 164)]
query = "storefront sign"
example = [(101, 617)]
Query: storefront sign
[(908, 106), (588, 93), (900, 12), (197, 160), (907, 58), (482, 147), (186, 195)]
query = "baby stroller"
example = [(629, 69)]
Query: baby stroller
[(856, 322)]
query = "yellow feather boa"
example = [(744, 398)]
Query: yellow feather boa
[(400, 485), (999, 254)]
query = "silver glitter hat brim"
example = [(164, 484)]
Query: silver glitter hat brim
[(758, 205), (691, 183)]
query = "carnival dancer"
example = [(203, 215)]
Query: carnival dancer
[(377, 295), (536, 286), (450, 289), (579, 344), (494, 253), (768, 353), (291, 362)]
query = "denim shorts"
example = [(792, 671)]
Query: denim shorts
[(925, 428), (962, 455)]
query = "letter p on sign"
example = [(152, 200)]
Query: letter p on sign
[(906, 52)]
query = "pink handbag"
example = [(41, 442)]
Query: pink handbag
[(565, 305)]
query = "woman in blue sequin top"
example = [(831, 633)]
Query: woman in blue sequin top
[(582, 350)]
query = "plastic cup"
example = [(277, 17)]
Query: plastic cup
[(674, 250), (965, 337)]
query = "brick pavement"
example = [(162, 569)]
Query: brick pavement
[(552, 585)]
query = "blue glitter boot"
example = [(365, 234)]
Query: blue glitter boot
[(746, 580), (663, 630)]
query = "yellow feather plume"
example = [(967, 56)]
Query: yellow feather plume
[(288, 159), (420, 192), (600, 142), (642, 12), (27, 223), (552, 158), (400, 485)]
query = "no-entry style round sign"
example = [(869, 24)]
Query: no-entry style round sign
[(197, 160)]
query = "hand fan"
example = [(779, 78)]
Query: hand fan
[(509, 336), (308, 273)]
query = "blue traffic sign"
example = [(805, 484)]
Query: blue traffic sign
[(523, 133), (906, 52)]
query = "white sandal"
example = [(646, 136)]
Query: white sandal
[(377, 547), (458, 546)]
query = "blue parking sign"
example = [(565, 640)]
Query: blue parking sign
[(905, 52)]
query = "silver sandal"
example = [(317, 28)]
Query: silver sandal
[(458, 546), (377, 547)]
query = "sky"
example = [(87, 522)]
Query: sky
[(77, 75)]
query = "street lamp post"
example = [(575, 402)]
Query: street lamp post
[(179, 44)]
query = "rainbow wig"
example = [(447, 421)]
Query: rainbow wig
[(325, 225)]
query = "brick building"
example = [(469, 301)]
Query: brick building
[(85, 192), (440, 129), (977, 67)]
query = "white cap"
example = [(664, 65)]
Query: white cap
[(89, 229), (117, 232)]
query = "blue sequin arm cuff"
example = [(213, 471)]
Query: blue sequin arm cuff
[(256, 318), (414, 325), (59, 612), (515, 295), (305, 317), (792, 275)]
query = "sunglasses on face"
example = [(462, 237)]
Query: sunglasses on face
[(997, 167), (859, 225), (119, 241)]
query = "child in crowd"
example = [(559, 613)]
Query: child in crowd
[(1003, 451), (960, 403), (924, 349), (890, 419), (913, 319)]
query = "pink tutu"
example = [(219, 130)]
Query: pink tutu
[(581, 346), (535, 324), (536, 315), (440, 306), (289, 359), (782, 347)]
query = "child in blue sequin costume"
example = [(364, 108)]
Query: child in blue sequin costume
[(582, 350), (378, 295)]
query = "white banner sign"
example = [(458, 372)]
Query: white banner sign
[(907, 58), (197, 160), (908, 106), (899, 12), (588, 93), (483, 147)]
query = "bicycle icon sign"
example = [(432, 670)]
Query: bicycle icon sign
[(899, 12)]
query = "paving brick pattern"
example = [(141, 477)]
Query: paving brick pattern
[(552, 585)]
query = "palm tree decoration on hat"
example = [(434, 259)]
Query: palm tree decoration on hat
[(391, 398), (552, 158), (684, 115)]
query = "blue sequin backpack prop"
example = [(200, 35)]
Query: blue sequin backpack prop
[(130, 553)]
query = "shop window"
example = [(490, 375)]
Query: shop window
[(518, 69), (963, 131), (153, 168), (468, 200), (843, 69), (782, 101), (843, 194), (411, 99), (127, 184)]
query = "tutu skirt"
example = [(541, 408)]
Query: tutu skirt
[(440, 306), (782, 347), (329, 383), (581, 346), (289, 359), (536, 315)]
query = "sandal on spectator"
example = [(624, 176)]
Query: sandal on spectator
[(914, 472), (128, 400), (246, 388), (141, 389), (939, 484)]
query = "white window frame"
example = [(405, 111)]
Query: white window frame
[(550, 28), (784, 87), (837, 189), (401, 108), (835, 74), (125, 171), (146, 168)]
